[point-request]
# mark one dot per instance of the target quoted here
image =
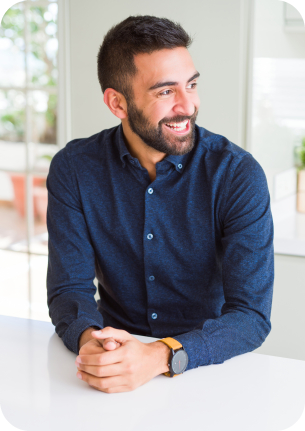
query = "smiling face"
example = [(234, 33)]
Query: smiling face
[(165, 105)]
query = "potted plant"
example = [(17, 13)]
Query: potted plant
[(300, 151), (40, 194), (18, 181)]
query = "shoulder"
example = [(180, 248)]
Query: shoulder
[(93, 145), (77, 154), (218, 145), (224, 154)]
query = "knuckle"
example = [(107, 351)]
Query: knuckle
[(130, 368), (100, 372)]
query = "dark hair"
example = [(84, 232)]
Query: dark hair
[(134, 35)]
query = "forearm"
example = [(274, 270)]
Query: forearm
[(72, 313), (232, 334)]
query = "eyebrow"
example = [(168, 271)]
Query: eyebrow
[(170, 83)]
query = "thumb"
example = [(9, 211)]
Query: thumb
[(109, 343)]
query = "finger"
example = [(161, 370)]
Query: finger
[(105, 358), (115, 389), (104, 371), (118, 334), (92, 347), (101, 383), (110, 343)]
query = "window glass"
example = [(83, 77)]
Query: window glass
[(12, 47)]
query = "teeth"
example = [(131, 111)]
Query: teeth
[(177, 126)]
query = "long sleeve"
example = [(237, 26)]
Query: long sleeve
[(71, 265), (247, 271)]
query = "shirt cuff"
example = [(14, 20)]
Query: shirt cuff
[(74, 331), (196, 347)]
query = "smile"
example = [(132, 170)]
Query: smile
[(180, 128)]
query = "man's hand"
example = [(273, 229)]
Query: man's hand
[(108, 343), (126, 367)]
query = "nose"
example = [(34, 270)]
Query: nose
[(184, 104)]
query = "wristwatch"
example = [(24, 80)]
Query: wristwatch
[(178, 359)]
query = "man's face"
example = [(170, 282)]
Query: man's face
[(165, 105)]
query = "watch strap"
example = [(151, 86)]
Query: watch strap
[(172, 344)]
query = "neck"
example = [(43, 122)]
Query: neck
[(147, 156)]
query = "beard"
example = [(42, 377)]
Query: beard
[(156, 138)]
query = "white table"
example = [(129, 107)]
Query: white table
[(39, 391)]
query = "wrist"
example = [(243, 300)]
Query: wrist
[(85, 337), (162, 354)]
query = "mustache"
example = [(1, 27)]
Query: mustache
[(179, 118)]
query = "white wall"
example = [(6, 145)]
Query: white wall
[(217, 53), (270, 40), (279, 92), (272, 145), (287, 335)]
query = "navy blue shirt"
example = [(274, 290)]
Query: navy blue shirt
[(188, 256)]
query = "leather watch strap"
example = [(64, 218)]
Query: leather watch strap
[(172, 344)]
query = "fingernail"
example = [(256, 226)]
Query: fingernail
[(79, 375), (78, 360)]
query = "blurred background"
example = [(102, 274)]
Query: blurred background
[(251, 57)]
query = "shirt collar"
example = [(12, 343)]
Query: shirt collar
[(178, 161)]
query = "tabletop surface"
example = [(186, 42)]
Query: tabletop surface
[(39, 390)]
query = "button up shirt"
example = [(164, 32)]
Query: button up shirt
[(188, 256)]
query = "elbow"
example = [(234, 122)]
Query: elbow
[(263, 330)]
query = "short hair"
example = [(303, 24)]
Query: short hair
[(134, 35)]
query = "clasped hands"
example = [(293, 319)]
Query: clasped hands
[(115, 361)]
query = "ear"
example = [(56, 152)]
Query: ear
[(116, 102)]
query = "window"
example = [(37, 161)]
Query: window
[(28, 140), (277, 124)]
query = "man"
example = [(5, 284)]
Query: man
[(173, 220)]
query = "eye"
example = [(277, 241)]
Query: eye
[(165, 93), (193, 85)]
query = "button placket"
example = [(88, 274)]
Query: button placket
[(151, 199)]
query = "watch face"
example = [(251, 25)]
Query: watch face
[(179, 362)]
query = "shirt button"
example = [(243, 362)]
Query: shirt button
[(154, 316), (150, 191), (180, 166), (150, 236), (132, 161), (151, 278)]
